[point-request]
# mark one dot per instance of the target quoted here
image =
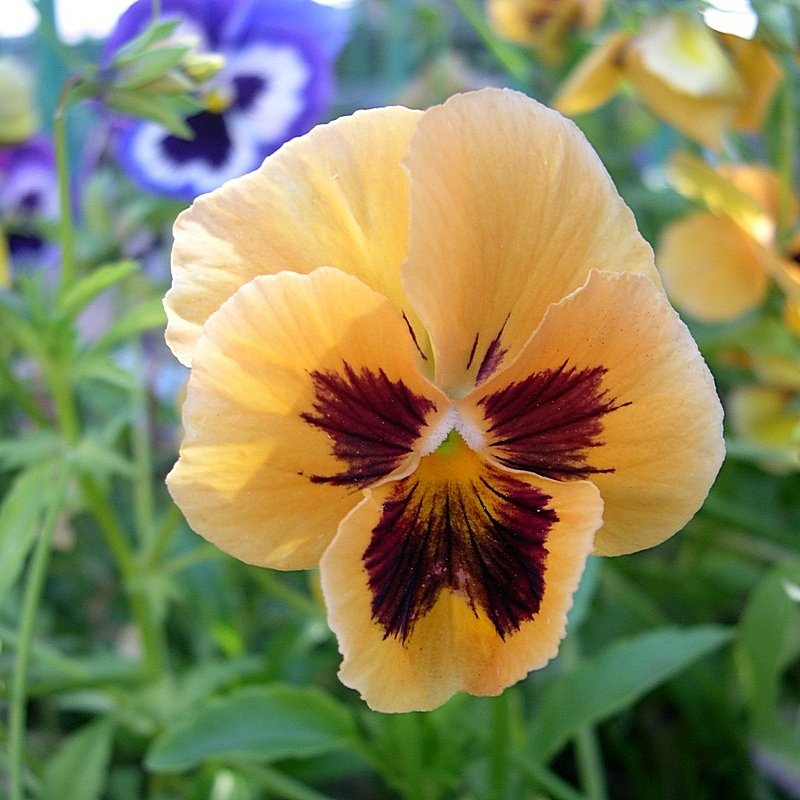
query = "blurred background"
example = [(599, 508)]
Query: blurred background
[(138, 662)]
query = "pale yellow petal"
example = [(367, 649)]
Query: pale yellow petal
[(745, 194), (596, 78), (682, 52), (702, 118), (711, 268), (454, 647), (630, 405), (334, 197), (299, 390), (510, 209)]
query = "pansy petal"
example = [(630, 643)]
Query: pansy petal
[(702, 118), (761, 75), (595, 79), (612, 388), (711, 268), (510, 209), (438, 587), (335, 197), (745, 194), (304, 390)]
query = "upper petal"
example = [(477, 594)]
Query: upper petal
[(455, 582), (510, 209), (304, 389), (334, 197), (612, 388)]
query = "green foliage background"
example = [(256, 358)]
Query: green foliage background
[(162, 669)]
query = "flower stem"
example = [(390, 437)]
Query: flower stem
[(590, 764), (500, 745), (30, 605), (787, 146), (66, 227)]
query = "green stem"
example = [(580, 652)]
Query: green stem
[(544, 779), (142, 483), (30, 605), (66, 227), (273, 583), (280, 785), (407, 738), (500, 746), (17, 390), (512, 61), (787, 147), (590, 764)]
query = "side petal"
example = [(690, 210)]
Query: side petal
[(511, 220), (711, 268), (456, 562), (334, 197), (304, 390), (596, 79), (612, 388)]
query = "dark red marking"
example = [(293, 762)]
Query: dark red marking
[(547, 422), (494, 355), (485, 540), (414, 337), (372, 421)]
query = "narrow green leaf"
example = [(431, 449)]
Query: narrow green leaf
[(29, 448), (80, 767), (605, 684), (100, 279), (153, 64), (255, 723), (155, 32), (19, 515)]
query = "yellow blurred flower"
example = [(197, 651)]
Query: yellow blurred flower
[(700, 81), (717, 263), (18, 117), (430, 353), (544, 24)]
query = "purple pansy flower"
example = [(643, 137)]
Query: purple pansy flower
[(275, 85), (28, 196)]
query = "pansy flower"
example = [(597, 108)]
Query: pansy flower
[(544, 24), (700, 81), (275, 84), (430, 354), (28, 198), (717, 261)]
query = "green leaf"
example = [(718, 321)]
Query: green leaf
[(614, 679), (94, 284), (30, 448), (153, 33), (255, 723), (19, 517), (80, 767), (153, 64), (767, 641)]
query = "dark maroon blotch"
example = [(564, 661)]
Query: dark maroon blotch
[(547, 423), (484, 540), (372, 421)]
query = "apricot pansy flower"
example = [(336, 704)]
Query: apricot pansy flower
[(700, 81), (430, 355), (717, 261)]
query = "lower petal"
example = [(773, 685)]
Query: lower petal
[(434, 588)]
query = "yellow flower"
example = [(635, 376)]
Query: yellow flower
[(430, 354), (544, 24), (716, 263), (701, 82)]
